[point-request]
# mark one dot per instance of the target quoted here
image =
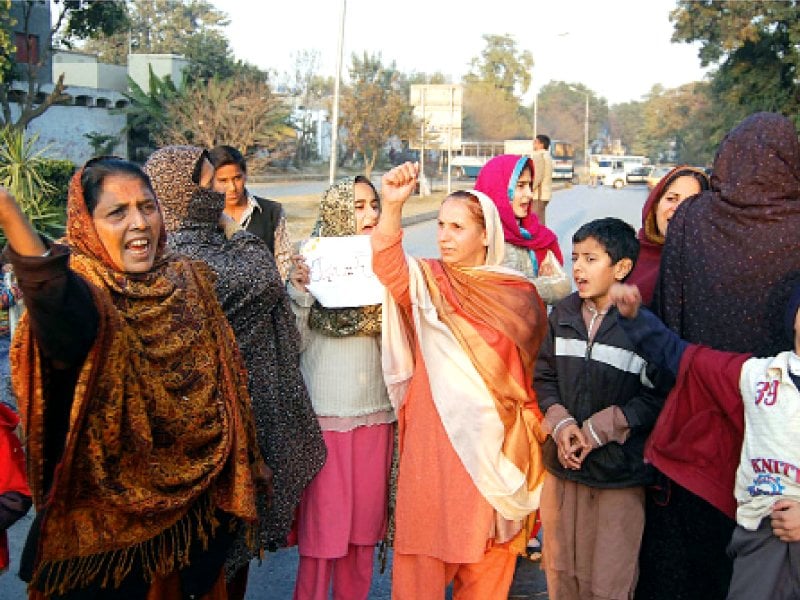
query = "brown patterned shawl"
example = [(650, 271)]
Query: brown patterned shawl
[(254, 299), (160, 432), (337, 217)]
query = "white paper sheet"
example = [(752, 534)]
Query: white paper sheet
[(341, 271)]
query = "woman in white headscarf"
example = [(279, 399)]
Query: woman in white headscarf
[(460, 336)]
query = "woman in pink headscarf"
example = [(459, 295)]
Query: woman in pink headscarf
[(507, 179)]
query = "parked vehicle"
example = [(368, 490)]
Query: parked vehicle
[(639, 174), (617, 179), (563, 154), (654, 177)]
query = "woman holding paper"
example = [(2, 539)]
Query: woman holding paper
[(460, 336), (343, 511)]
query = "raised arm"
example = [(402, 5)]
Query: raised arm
[(396, 187), (21, 235), (655, 341)]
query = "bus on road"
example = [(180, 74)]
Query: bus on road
[(476, 154)]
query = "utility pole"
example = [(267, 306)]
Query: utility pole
[(335, 119), (421, 178), (450, 139), (586, 137)]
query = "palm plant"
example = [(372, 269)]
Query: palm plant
[(20, 165)]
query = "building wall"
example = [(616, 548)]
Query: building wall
[(38, 25), (63, 129), (163, 64), (84, 70)]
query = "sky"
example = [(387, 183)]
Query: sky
[(617, 48)]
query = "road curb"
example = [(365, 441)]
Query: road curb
[(421, 217)]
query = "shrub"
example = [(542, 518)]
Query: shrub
[(20, 165), (57, 173)]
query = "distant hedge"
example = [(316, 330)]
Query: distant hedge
[(57, 173)]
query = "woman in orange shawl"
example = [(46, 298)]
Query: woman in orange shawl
[(460, 336), (133, 396)]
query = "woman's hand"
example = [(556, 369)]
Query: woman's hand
[(627, 298), (300, 274), (398, 184)]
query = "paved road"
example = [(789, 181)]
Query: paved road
[(274, 579), (568, 210)]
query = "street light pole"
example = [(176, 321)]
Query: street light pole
[(335, 119), (586, 137), (585, 128)]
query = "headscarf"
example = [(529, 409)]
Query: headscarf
[(254, 299), (160, 434), (479, 330), (651, 241), (498, 180), (732, 254), (337, 217)]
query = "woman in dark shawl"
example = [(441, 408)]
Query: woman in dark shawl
[(254, 300), (727, 268)]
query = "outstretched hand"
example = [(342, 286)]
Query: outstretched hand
[(627, 298), (398, 184)]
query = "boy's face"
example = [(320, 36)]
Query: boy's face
[(593, 271), (231, 180)]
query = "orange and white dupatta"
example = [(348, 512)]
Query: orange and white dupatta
[(479, 331)]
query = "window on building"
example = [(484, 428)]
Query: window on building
[(27, 47)]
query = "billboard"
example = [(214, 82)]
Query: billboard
[(438, 107)]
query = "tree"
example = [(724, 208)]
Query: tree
[(672, 124), (490, 114), (502, 65), (76, 19), (147, 114), (492, 110), (6, 44), (374, 108), (192, 28), (562, 113), (239, 112), (625, 122), (757, 47), (305, 88)]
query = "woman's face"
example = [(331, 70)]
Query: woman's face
[(523, 194), (367, 208), (128, 223), (462, 241), (677, 191)]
